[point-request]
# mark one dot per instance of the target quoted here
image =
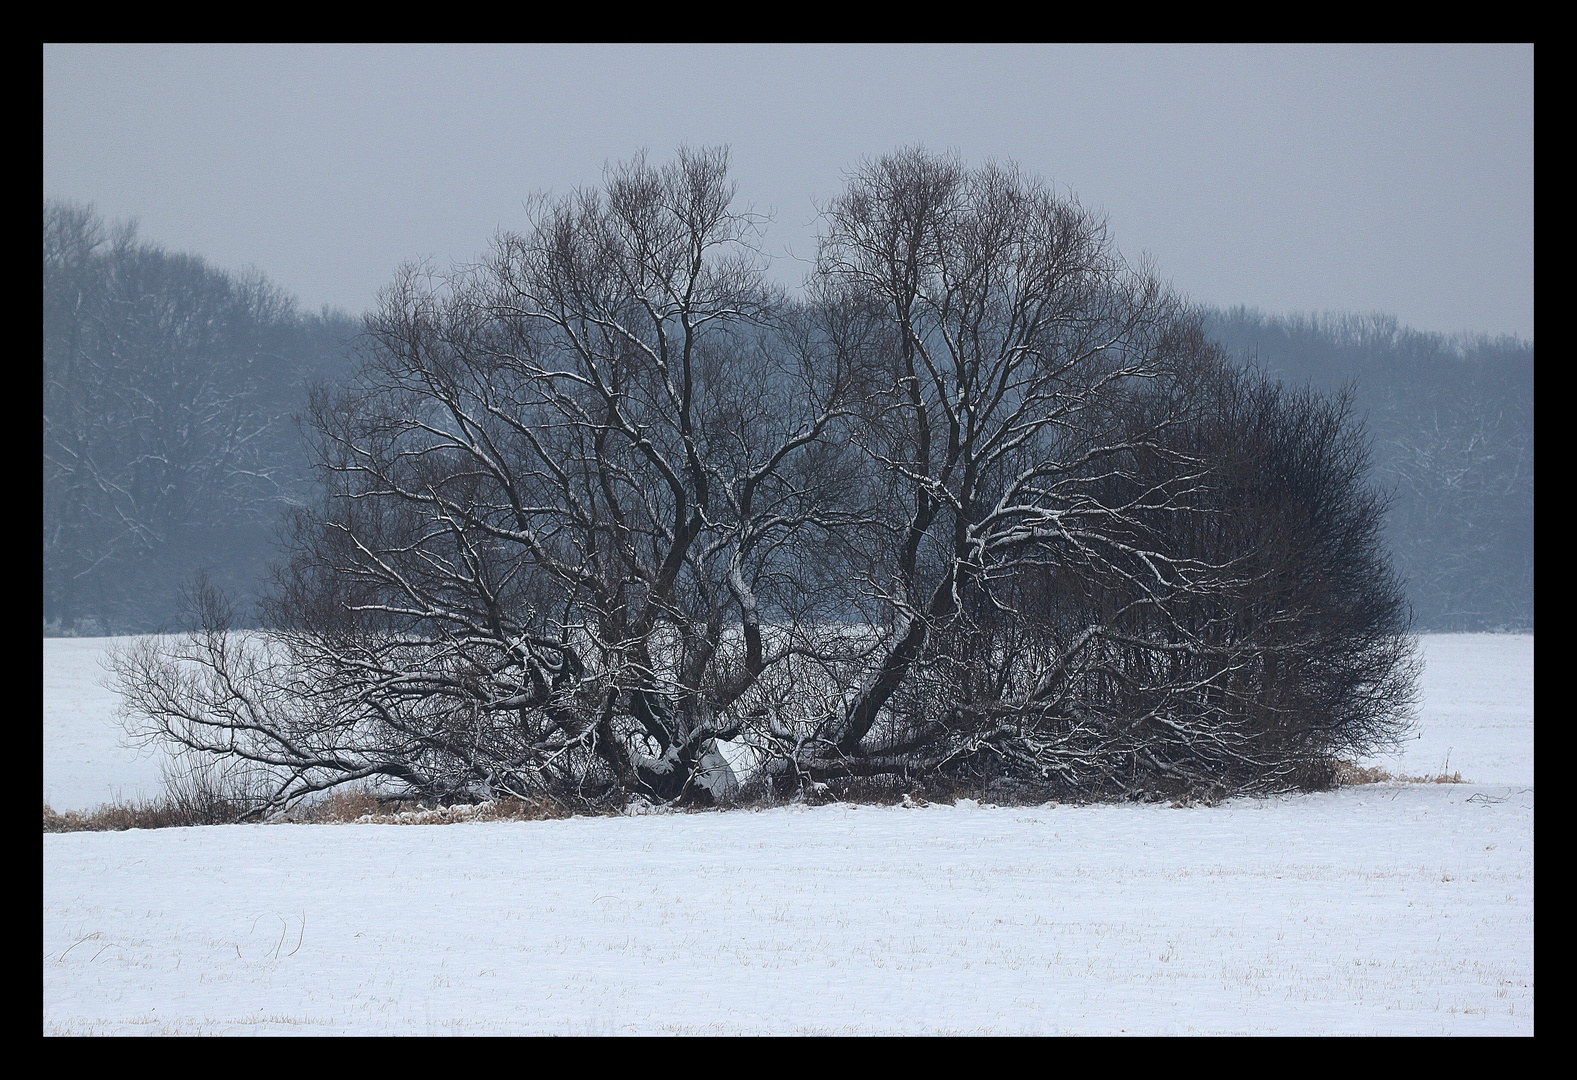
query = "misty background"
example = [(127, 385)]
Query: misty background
[(1357, 217)]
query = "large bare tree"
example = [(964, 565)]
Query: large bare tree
[(1010, 350), (608, 516), (563, 496)]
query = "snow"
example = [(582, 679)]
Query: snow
[(1382, 909), (85, 761), (1476, 711)]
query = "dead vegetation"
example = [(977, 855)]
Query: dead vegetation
[(1349, 774), (200, 795), (178, 808)]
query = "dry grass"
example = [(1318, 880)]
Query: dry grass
[(164, 813), (1350, 775), (338, 807), (196, 799)]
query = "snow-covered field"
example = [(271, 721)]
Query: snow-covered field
[(1383, 909)]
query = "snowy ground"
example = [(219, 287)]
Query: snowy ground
[(1384, 909)]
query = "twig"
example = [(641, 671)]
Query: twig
[(300, 936), (75, 943)]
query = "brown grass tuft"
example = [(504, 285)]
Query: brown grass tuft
[(339, 805), (1349, 775)]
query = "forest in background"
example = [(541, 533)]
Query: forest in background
[(169, 441), (1451, 424), (170, 445)]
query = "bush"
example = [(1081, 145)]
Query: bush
[(196, 792)]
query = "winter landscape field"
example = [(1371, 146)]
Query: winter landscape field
[(1396, 908)]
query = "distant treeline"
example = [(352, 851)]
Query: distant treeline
[(169, 443), (1451, 419), (170, 446)]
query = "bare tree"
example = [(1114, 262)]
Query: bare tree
[(1106, 563), (1010, 347), (559, 501), (607, 516)]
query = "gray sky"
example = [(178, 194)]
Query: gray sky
[(1290, 178)]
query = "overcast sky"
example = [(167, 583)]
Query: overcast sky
[(1396, 179)]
